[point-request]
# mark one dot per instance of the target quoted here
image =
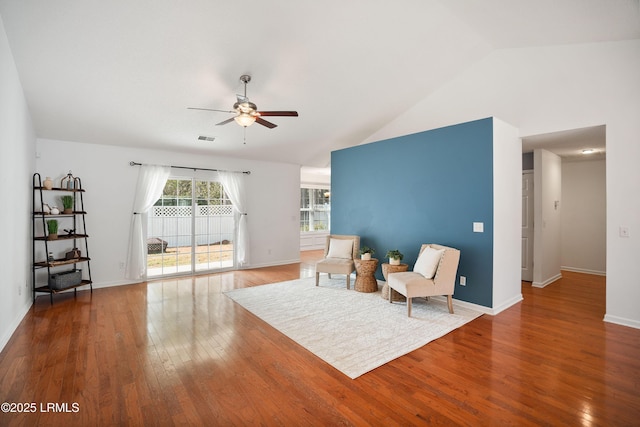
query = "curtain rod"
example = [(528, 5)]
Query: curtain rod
[(132, 163)]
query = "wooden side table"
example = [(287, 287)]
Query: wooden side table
[(365, 275), (386, 270)]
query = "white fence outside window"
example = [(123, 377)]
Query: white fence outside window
[(174, 224)]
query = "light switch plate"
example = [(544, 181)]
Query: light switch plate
[(478, 227)]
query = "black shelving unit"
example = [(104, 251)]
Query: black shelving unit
[(77, 238)]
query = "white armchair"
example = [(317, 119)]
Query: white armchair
[(339, 253), (433, 274)]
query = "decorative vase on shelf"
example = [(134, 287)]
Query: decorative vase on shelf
[(54, 210), (394, 261), (365, 257), (48, 183)]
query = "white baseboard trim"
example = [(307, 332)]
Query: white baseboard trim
[(584, 270), (511, 302), (622, 321), (14, 324), (547, 282), (481, 308), (269, 264), (114, 283)]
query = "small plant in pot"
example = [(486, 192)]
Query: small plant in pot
[(67, 203), (395, 256), (52, 227), (366, 252)]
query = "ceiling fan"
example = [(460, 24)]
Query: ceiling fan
[(246, 112)]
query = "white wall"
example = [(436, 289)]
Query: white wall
[(507, 214), (548, 89), (547, 189), (584, 216), (17, 143), (109, 181)]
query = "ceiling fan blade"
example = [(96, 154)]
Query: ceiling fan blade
[(210, 109), (263, 122), (224, 122), (279, 113)]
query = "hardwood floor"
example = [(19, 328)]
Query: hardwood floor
[(180, 352)]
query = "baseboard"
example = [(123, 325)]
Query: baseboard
[(472, 306), (14, 325), (115, 283), (547, 282), (622, 321), (269, 264), (511, 302), (584, 270)]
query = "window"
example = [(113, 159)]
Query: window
[(190, 228), (315, 209)]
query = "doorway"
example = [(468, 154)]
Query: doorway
[(579, 242), (190, 228)]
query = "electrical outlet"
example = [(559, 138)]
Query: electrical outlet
[(121, 265), (463, 281), (624, 231)]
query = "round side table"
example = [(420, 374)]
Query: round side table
[(386, 269), (365, 275)]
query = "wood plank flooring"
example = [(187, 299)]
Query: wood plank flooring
[(179, 352)]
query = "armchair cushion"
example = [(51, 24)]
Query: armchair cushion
[(428, 261), (340, 248)]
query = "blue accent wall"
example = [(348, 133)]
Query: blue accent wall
[(428, 187)]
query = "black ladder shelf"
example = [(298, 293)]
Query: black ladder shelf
[(76, 237)]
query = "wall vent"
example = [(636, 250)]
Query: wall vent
[(206, 138)]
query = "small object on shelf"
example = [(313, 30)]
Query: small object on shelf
[(50, 258), (69, 232), (54, 210), (70, 182), (73, 254), (52, 227), (65, 279), (46, 209), (67, 203), (48, 183)]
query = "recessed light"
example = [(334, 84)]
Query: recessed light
[(588, 151)]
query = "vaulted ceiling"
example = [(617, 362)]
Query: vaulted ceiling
[(123, 72)]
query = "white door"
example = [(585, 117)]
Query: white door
[(527, 226)]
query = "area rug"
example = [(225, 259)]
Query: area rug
[(352, 331)]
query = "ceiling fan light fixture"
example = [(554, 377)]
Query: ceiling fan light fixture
[(244, 119)]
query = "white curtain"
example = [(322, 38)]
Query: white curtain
[(151, 182), (234, 185)]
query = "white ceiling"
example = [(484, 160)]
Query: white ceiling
[(123, 72), (570, 144)]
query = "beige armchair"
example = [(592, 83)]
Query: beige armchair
[(339, 253), (433, 274)]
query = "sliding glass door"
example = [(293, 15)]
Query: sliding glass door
[(190, 229)]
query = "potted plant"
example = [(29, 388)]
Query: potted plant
[(395, 256), (67, 203), (52, 226), (366, 252)]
